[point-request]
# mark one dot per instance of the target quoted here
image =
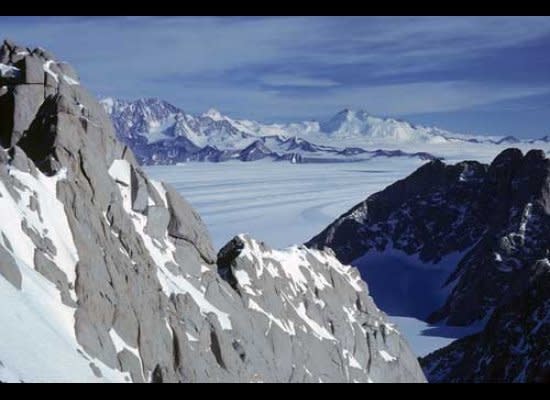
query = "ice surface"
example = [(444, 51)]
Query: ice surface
[(408, 290), (395, 278), (42, 333), (280, 203), (425, 338)]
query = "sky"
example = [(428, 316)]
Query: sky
[(482, 75)]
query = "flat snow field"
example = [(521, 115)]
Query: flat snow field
[(277, 202), (285, 204)]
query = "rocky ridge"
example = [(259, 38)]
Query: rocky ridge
[(495, 221), (123, 269)]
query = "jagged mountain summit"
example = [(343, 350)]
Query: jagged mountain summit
[(461, 245), (359, 125), (106, 275)]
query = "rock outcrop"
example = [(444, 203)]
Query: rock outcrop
[(106, 275), (493, 223)]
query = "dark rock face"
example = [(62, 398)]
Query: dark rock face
[(6, 117), (128, 267), (513, 347), (256, 151), (384, 216), (496, 216)]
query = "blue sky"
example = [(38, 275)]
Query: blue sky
[(487, 75)]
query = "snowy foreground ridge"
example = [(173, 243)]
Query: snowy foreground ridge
[(106, 275)]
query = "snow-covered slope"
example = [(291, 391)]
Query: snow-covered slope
[(37, 279), (360, 127)]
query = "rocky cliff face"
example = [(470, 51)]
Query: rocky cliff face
[(493, 223), (513, 347), (106, 275)]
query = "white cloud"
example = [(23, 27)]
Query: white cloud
[(188, 45), (391, 100)]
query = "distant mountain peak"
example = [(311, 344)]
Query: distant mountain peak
[(213, 114), (352, 113), (345, 111)]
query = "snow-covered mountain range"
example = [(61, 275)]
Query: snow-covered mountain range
[(161, 133)]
